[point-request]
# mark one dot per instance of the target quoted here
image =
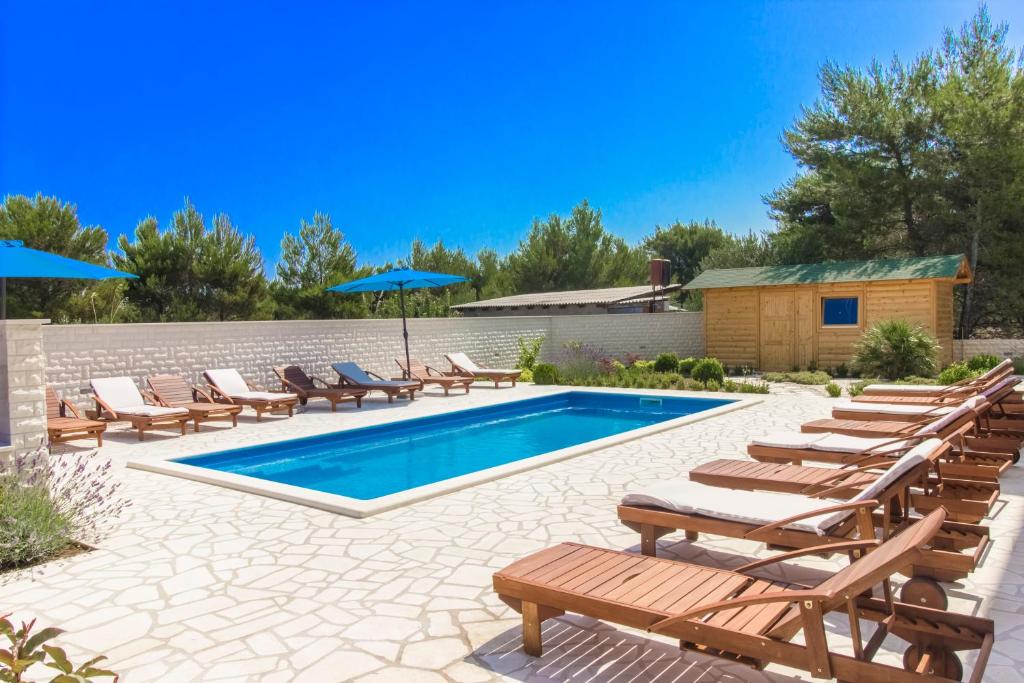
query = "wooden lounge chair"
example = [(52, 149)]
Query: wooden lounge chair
[(463, 365), (964, 500), (61, 427), (906, 412), (228, 386), (795, 521), (972, 457), (742, 616), (351, 375), (175, 391), (999, 372), (293, 378), (424, 374), (117, 398)]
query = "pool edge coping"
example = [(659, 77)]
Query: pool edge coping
[(353, 507)]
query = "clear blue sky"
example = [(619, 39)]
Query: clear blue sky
[(460, 121)]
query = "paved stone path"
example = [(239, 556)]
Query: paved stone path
[(200, 583)]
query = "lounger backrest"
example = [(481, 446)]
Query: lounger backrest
[(227, 380), (943, 423), (117, 392), (174, 390), (52, 403), (999, 371), (353, 373), (417, 368), (870, 569), (461, 360), (296, 376), (911, 459), (1001, 389)]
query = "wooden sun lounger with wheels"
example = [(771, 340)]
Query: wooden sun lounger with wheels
[(175, 391), (964, 500), (464, 365), (293, 378), (928, 393), (117, 398), (61, 427), (424, 374), (228, 386), (978, 459), (796, 521), (351, 375), (742, 616)]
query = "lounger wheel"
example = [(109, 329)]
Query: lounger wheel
[(943, 662), (924, 592)]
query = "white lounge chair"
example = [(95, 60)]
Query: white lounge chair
[(117, 398)]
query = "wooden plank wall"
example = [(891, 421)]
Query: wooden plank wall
[(730, 325)]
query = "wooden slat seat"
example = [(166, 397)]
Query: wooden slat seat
[(424, 374), (175, 391), (293, 378), (60, 427)]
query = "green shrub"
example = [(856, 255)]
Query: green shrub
[(525, 376), (1018, 365), (712, 385), (545, 373), (686, 365), (707, 370), (811, 378), (833, 389), (666, 362), (529, 349), (33, 529), (643, 365), (754, 387), (730, 386), (857, 388), (895, 349), (956, 372), (983, 362), (842, 371), (25, 649)]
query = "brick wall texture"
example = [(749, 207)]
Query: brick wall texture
[(1004, 348), (76, 353)]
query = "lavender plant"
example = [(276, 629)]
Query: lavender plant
[(48, 502), (577, 361)]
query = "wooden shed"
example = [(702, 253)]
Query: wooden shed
[(781, 317)]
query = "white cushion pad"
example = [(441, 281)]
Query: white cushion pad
[(841, 443), (117, 392), (787, 440), (263, 396), (463, 361), (151, 411), (228, 380), (892, 408), (907, 388)]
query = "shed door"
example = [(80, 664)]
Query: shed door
[(778, 329)]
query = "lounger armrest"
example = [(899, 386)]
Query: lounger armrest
[(67, 405), (880, 449), (287, 386), (150, 397), (215, 392), (745, 601), (327, 385), (813, 550), (869, 504), (839, 476), (378, 377), (198, 393), (102, 405)]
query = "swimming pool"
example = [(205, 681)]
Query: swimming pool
[(373, 464)]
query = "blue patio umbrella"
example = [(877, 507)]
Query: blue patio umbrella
[(400, 280), (18, 261)]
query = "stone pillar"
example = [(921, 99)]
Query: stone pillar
[(22, 385)]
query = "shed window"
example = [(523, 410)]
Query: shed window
[(839, 311)]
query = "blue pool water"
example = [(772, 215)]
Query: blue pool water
[(376, 461)]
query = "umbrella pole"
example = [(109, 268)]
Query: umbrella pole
[(405, 332), (3, 298)]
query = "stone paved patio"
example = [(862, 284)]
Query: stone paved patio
[(201, 583)]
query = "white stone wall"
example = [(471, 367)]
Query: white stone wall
[(22, 397), (76, 353), (1004, 348)]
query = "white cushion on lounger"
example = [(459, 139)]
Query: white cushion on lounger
[(764, 507), (263, 396), (787, 440), (228, 380), (118, 392), (841, 443), (892, 408), (463, 361), (938, 425), (151, 411), (907, 388)]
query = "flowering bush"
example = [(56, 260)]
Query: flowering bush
[(48, 502), (577, 361)]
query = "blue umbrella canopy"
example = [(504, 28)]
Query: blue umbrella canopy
[(19, 261), (400, 280)]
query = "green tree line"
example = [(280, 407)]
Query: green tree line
[(896, 159)]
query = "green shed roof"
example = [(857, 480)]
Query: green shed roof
[(923, 268)]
